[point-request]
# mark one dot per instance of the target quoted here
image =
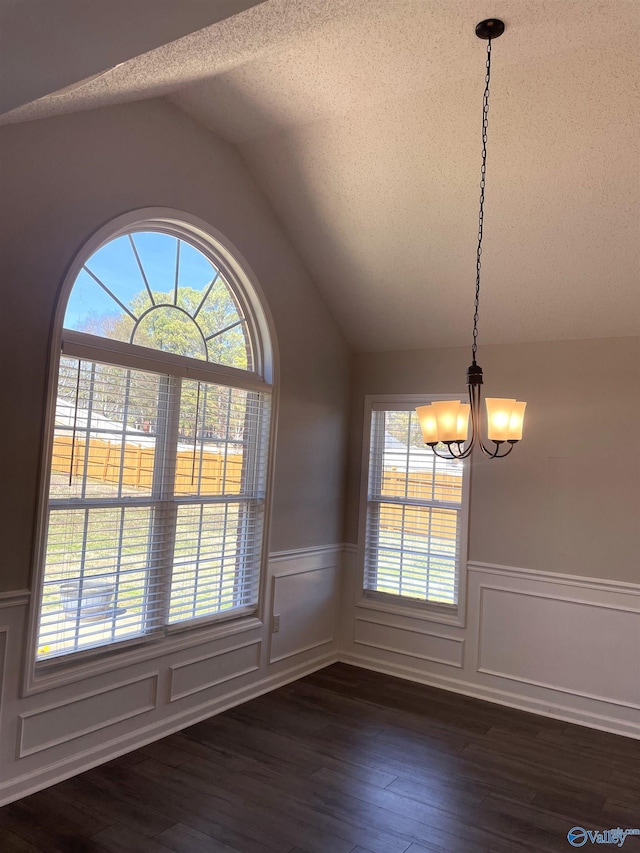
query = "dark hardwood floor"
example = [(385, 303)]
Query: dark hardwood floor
[(345, 761)]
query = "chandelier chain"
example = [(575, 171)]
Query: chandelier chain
[(483, 172)]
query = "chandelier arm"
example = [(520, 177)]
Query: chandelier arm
[(462, 454), (451, 453), (442, 455), (474, 402), (475, 399), (491, 454), (495, 454), (466, 452)]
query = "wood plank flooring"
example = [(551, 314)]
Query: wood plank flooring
[(345, 761)]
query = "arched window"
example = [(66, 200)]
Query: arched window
[(158, 441)]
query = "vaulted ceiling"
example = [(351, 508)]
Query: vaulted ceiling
[(360, 120)]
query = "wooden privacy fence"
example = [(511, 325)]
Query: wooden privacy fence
[(211, 474), (439, 522), (105, 460), (422, 485)]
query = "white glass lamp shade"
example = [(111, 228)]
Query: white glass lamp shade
[(462, 425), (446, 412), (516, 421), (428, 424), (499, 412)]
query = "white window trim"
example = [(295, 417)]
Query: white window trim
[(369, 599), (38, 676)]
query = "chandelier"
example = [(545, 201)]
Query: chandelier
[(447, 422)]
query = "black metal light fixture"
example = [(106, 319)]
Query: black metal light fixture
[(447, 422)]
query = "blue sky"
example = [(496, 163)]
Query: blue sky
[(116, 266)]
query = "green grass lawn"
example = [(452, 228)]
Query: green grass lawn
[(114, 545), (421, 567)]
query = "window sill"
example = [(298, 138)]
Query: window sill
[(57, 672), (410, 608)]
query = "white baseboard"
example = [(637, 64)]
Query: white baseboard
[(499, 697), (126, 700), (556, 645), (40, 778)]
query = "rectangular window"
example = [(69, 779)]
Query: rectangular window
[(416, 511), (156, 504)]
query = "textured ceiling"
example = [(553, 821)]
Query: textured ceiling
[(48, 45), (360, 119)]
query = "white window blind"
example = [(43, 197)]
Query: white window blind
[(156, 504), (414, 515)]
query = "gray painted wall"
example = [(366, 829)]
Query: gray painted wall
[(61, 179), (560, 503), (568, 498)]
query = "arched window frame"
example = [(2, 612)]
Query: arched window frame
[(229, 261)]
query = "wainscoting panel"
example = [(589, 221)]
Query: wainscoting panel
[(576, 647), (408, 640), (559, 645), (305, 607), (213, 669), (562, 646), (86, 713), (67, 720)]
